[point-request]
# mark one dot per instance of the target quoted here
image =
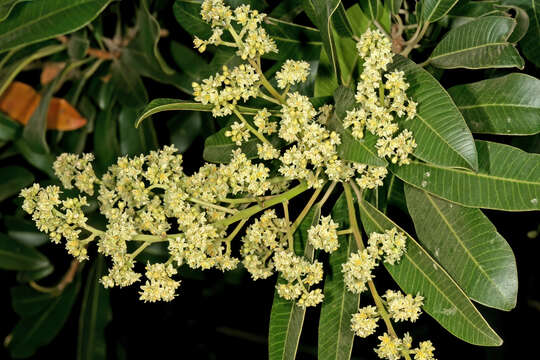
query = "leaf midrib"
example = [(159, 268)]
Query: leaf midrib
[(509, 105), (468, 49), (454, 233)]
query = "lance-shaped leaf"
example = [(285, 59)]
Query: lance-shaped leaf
[(507, 105), (17, 256), (321, 13), (335, 334), (362, 151), (38, 328), (135, 141), (95, 314), (507, 179), (529, 45), (468, 246), (6, 6), (158, 105), (40, 20), (286, 318), (439, 129), (293, 41), (13, 179), (418, 273), (433, 10), (478, 44)]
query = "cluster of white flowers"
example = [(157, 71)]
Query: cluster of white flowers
[(292, 72), (223, 90), (381, 98), (364, 322), (244, 25), (403, 307), (300, 275), (70, 167), (323, 236), (159, 285), (392, 243), (392, 348)]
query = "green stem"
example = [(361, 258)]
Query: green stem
[(345, 231), (134, 254), (415, 39), (233, 234), (251, 128), (268, 98), (289, 235), (213, 206), (266, 83), (246, 213), (305, 211)]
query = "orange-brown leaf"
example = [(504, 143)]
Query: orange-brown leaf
[(50, 71), (20, 101)]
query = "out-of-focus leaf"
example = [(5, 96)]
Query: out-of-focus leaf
[(507, 105), (16, 256), (39, 160), (78, 45), (13, 179), (95, 315), (9, 129), (190, 63), (50, 71), (507, 179), (24, 231), (335, 334), (135, 141), (129, 87), (33, 275), (478, 44), (187, 14), (286, 10), (106, 147), (372, 8), (468, 246), (439, 128), (434, 10), (351, 149), (395, 5), (6, 6), (418, 273), (286, 318), (293, 41), (184, 129), (40, 20), (9, 73), (39, 328), (27, 302)]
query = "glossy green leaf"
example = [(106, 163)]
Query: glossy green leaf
[(529, 45), (12, 180), (468, 246), (6, 6), (159, 105), (106, 146), (95, 315), (39, 160), (34, 275), (184, 129), (287, 319), (362, 151), (9, 129), (17, 256), (27, 302), (433, 10), (190, 63), (395, 5), (522, 24), (419, 273), (40, 328), (478, 44), (40, 20), (293, 41), (507, 179), (335, 334), (135, 141), (24, 231), (507, 105), (439, 129), (187, 14)]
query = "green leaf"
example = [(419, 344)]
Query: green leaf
[(41, 161), (128, 85), (184, 129), (95, 315), (439, 129), (322, 11), (40, 20), (419, 273), (507, 105), (507, 179), (293, 41), (335, 334), (27, 302), (362, 151), (135, 141), (159, 105), (9, 129), (325, 82), (529, 44), (468, 246), (78, 45), (6, 6), (434, 10), (372, 8), (287, 319), (187, 13), (13, 179), (16, 256), (24, 231), (39, 329), (10, 72), (33, 275), (190, 63), (395, 5), (478, 44), (106, 147), (522, 20)]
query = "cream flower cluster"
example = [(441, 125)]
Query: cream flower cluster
[(223, 90), (244, 25), (292, 72), (381, 98), (323, 236), (391, 348)]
